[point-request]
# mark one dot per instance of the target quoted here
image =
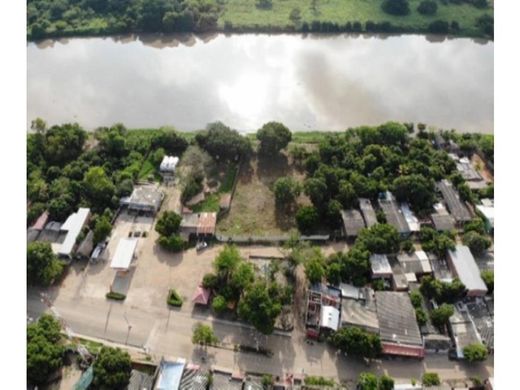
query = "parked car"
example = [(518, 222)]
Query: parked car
[(201, 245)]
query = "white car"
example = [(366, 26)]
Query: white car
[(201, 245)]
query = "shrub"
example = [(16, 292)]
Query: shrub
[(427, 7), (174, 299), (319, 381), (396, 7), (115, 295), (219, 304), (475, 352), (421, 316), (431, 379), (173, 243)]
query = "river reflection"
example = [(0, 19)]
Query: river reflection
[(308, 82)]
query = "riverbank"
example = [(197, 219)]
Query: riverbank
[(239, 16)]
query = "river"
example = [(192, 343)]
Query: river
[(327, 82)]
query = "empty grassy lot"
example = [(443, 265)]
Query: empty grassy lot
[(244, 14), (253, 210)]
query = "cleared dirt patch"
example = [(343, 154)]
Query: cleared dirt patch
[(253, 210)]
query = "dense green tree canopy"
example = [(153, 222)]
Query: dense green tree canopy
[(431, 379), (477, 243), (168, 223), (273, 137), (416, 190), (488, 277), (102, 229), (357, 342), (203, 335), (98, 188), (44, 352), (286, 190), (441, 315), (379, 238), (260, 307), (221, 142), (475, 352), (307, 218), (43, 267), (112, 369)]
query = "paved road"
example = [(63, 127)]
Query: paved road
[(168, 332)]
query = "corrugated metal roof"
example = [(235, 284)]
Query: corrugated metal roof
[(394, 216), (380, 265), (124, 253), (329, 317), (411, 219), (457, 208), (73, 226), (369, 215), (353, 222), (466, 268)]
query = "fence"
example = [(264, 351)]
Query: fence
[(248, 240)]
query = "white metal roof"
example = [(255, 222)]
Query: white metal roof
[(466, 268), (329, 317), (73, 226), (380, 265), (411, 219), (124, 253), (488, 212), (169, 163)]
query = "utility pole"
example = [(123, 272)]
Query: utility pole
[(129, 328)]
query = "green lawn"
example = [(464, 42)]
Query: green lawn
[(244, 14)]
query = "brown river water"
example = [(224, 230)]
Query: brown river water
[(324, 82)]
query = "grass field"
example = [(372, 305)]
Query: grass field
[(253, 210), (245, 14)]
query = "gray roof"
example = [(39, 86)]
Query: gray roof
[(140, 381), (394, 215), (360, 312), (396, 316), (457, 208), (466, 269), (369, 215), (464, 333), (467, 171), (380, 265), (353, 222), (443, 222), (398, 275), (416, 262), (145, 197), (482, 314)]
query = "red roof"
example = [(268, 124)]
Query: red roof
[(403, 350), (41, 221), (201, 296), (207, 222)]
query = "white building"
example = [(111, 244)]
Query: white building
[(73, 226), (124, 254), (169, 164)]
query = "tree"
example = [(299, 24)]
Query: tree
[(173, 243), (273, 137), (356, 265), (431, 379), (367, 381), (488, 276), (441, 315), (259, 307), (43, 267), (316, 189), (427, 7), (98, 188), (357, 342), (416, 298), (307, 218), (347, 195), (396, 7), (63, 143), (286, 190), (386, 382), (203, 335), (219, 304), (476, 352), (102, 229), (170, 141), (221, 142), (475, 225), (44, 352), (439, 27), (379, 238), (243, 276), (227, 262), (476, 242), (168, 223), (112, 369), (314, 270), (416, 190), (421, 316)]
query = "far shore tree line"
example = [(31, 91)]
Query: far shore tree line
[(61, 18)]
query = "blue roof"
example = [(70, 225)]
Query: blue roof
[(170, 375)]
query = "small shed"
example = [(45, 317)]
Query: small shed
[(329, 318), (369, 215), (169, 164), (353, 222), (201, 296), (380, 266)]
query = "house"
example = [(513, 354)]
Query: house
[(198, 224), (399, 278), (323, 310), (144, 198), (462, 330), (411, 219), (369, 215), (487, 211), (467, 171), (380, 266), (443, 222), (124, 254), (463, 266), (353, 222), (34, 231), (194, 378), (457, 208), (398, 327), (358, 308), (73, 227), (394, 215), (417, 263)]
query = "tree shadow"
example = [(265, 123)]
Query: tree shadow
[(284, 216), (270, 168)]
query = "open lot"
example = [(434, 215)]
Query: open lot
[(253, 210)]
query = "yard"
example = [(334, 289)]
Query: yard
[(253, 210)]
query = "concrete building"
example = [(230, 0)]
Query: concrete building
[(394, 215), (463, 266), (380, 267), (399, 331), (168, 165), (323, 310), (144, 198), (353, 222), (358, 308), (417, 263), (412, 221), (369, 215), (124, 254)]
